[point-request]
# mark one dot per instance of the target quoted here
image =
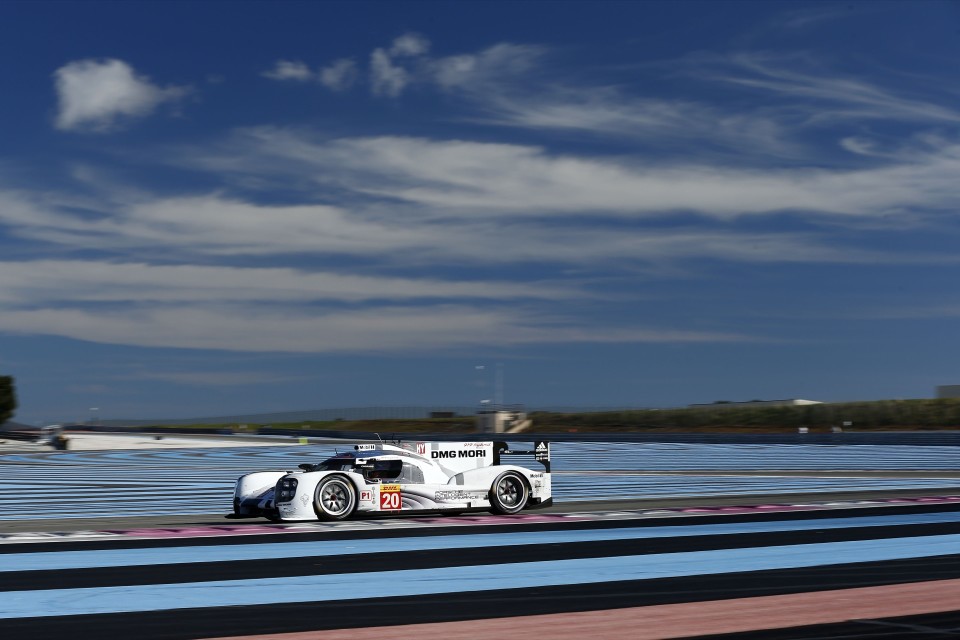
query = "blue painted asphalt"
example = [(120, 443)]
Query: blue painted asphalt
[(100, 484), (64, 602), (333, 548)]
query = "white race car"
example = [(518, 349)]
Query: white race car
[(397, 478)]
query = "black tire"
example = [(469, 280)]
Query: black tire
[(509, 493), (335, 498)]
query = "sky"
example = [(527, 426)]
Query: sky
[(219, 208)]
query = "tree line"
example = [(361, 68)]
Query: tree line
[(8, 398), (876, 415)]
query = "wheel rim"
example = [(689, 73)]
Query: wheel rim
[(334, 498), (508, 492)]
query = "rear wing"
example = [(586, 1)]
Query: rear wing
[(540, 452)]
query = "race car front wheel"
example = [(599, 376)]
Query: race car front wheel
[(335, 498), (509, 493)]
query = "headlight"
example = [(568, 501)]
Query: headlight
[(286, 489)]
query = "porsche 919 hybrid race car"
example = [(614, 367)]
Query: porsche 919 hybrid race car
[(396, 478)]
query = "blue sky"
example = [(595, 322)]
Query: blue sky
[(221, 208)]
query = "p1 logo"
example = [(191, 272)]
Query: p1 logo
[(390, 497)]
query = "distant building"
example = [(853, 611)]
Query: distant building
[(793, 402), (502, 419), (948, 391)]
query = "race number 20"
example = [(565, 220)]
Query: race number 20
[(390, 497)]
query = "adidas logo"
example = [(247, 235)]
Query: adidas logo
[(542, 446)]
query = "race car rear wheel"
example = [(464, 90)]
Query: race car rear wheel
[(509, 493), (335, 498)]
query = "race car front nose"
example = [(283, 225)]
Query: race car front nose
[(286, 489)]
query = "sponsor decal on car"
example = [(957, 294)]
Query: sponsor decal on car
[(542, 451), (422, 448), (468, 453), (390, 497), (458, 496), (366, 447), (366, 496)]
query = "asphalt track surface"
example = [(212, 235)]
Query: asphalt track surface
[(840, 565)]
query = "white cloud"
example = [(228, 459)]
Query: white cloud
[(273, 309), (289, 70), (648, 121), (480, 72), (305, 330), (489, 67), (214, 226), (392, 69), (837, 97), (456, 177), (44, 282), (339, 75), (386, 79), (508, 84), (859, 146), (220, 227), (96, 94), (409, 44)]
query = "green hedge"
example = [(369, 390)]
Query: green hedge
[(879, 415)]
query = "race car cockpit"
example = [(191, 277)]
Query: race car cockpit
[(381, 470)]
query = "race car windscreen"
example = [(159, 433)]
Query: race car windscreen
[(337, 463)]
